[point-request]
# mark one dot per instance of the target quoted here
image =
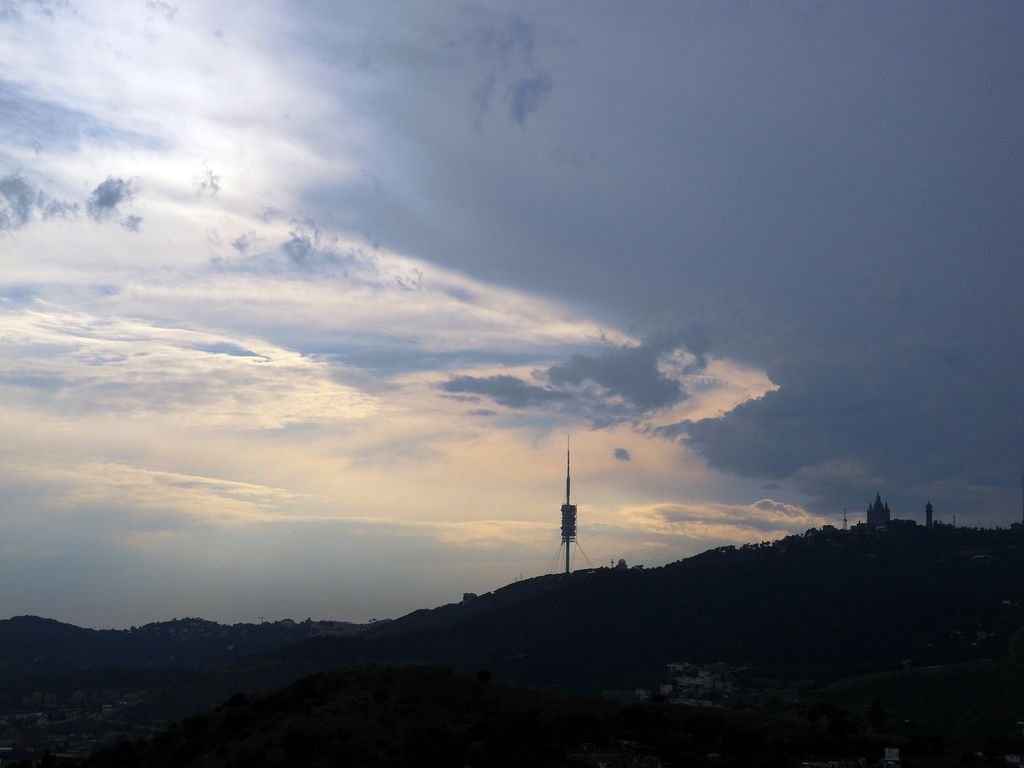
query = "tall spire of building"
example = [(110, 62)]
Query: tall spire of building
[(878, 513)]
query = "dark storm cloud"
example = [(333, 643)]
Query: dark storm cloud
[(833, 195), (622, 454), (108, 196), (905, 423), (506, 390), (630, 372), (526, 95)]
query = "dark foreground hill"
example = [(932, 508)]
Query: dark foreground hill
[(920, 632), (32, 646), (825, 605), (431, 717)]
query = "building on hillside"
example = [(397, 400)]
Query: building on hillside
[(626, 755), (701, 685), (928, 512), (878, 515)]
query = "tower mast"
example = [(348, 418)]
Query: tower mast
[(568, 501), (568, 514), (568, 481)]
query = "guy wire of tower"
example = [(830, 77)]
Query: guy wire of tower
[(568, 514)]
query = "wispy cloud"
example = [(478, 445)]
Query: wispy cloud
[(138, 498), (75, 362), (711, 521)]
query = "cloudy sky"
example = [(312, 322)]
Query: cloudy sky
[(298, 302)]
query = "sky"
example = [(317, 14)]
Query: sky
[(300, 301)]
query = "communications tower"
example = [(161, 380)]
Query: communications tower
[(568, 515)]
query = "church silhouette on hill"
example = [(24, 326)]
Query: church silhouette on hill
[(878, 513), (879, 516)]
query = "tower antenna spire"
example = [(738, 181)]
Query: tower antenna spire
[(568, 481)]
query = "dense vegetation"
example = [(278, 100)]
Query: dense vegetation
[(428, 717)]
